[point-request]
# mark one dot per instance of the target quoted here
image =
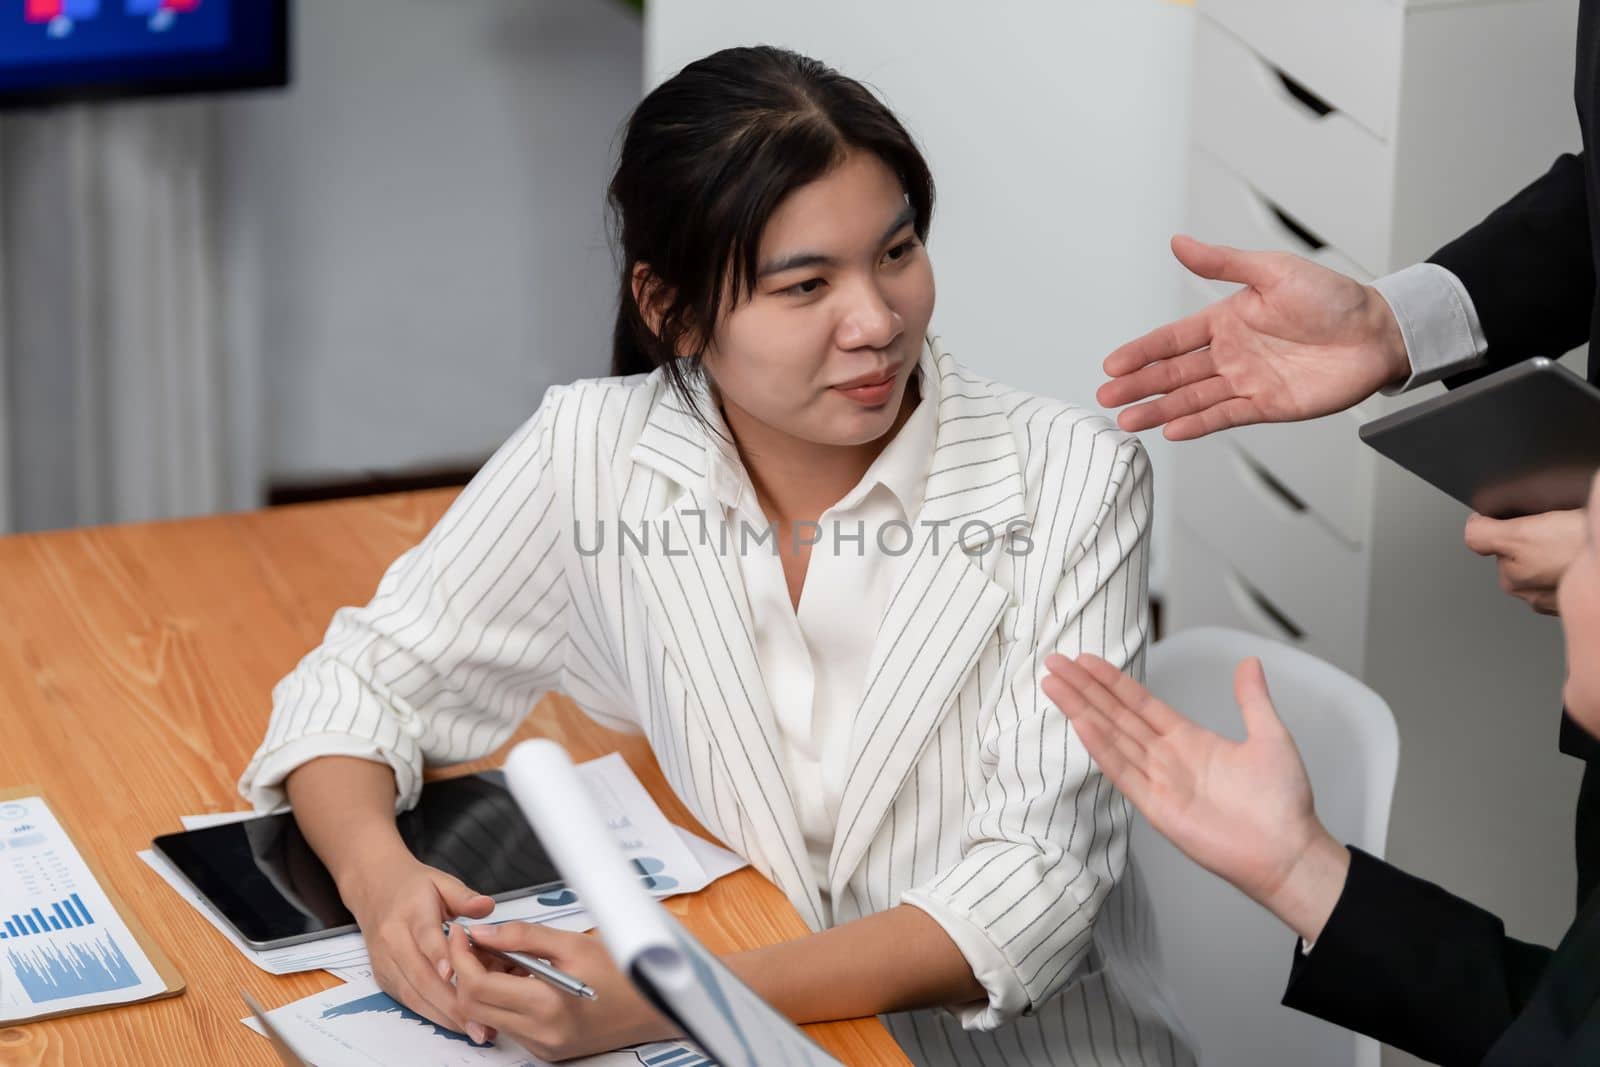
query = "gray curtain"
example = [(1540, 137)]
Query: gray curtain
[(113, 378)]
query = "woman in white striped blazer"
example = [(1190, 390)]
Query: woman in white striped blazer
[(818, 564)]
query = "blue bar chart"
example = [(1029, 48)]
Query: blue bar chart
[(63, 915), (63, 945)]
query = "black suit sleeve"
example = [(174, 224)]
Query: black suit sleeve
[(1529, 268), (1405, 962)]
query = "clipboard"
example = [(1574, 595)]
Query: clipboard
[(170, 978)]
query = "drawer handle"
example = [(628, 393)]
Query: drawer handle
[(1305, 97), (1264, 478), (1296, 228), (1262, 610)]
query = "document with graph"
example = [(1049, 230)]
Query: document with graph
[(64, 944), (688, 983)]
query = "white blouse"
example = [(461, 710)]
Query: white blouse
[(814, 657)]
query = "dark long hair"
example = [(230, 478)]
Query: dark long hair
[(706, 159)]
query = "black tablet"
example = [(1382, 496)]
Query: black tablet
[(1521, 441), (261, 877)]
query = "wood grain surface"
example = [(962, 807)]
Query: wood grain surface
[(136, 665)]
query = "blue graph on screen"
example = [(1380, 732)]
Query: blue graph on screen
[(383, 1004), (52, 972)]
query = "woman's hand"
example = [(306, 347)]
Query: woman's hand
[(399, 903), (1242, 810), (551, 1024), (1532, 552)]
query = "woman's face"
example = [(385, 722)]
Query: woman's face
[(1578, 597), (823, 349)]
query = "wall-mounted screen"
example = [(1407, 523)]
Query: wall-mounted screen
[(54, 50)]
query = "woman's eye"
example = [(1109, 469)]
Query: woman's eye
[(805, 288), (900, 251)]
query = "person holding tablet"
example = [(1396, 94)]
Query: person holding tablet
[(818, 563), (1380, 952), (1301, 341)]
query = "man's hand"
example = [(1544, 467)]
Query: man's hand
[(1299, 341), (1241, 809), (1533, 552)]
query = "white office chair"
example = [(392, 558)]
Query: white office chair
[(1222, 959)]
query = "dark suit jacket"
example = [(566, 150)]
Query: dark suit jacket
[(1415, 967), (1530, 268)]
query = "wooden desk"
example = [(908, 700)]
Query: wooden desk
[(136, 664)]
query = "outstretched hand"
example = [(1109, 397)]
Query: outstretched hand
[(1241, 809), (1297, 342)]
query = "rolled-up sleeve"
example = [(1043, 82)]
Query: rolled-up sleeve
[(1046, 838), (461, 638)]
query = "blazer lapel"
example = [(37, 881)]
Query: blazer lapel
[(694, 595), (944, 609)]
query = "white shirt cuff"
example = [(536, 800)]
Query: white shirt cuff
[(263, 784), (1437, 320), (1007, 996)]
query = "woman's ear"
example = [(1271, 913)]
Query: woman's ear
[(653, 299), (649, 296)]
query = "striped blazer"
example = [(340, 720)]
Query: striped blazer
[(580, 559)]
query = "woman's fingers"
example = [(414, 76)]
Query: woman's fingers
[(532, 938), (482, 988), (429, 994), (459, 899)]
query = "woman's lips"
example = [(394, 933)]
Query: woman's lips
[(873, 393)]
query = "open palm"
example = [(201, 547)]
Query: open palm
[(1241, 809), (1299, 341)]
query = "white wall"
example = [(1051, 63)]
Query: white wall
[(1057, 134), (413, 234)]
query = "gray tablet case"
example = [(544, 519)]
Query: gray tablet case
[(1521, 441)]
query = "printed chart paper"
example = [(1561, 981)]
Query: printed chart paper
[(63, 947), (358, 1025)]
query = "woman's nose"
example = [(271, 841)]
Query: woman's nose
[(871, 323)]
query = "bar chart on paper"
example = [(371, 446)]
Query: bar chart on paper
[(62, 945)]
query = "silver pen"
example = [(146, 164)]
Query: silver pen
[(534, 965)]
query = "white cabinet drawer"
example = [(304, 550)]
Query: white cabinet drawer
[(1224, 208), (1321, 461), (1325, 169), (1345, 51), (1205, 590), (1273, 543)]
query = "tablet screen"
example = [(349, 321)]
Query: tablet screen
[(262, 876)]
